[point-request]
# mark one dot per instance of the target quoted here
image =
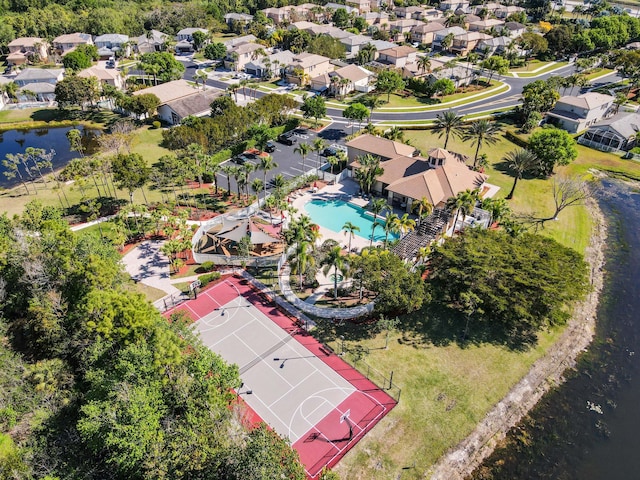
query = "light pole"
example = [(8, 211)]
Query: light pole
[(341, 345)]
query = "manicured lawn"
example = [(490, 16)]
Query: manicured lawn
[(532, 65), (546, 69), (26, 114), (191, 270), (598, 72), (446, 391), (147, 143), (151, 293)]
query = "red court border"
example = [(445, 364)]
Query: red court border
[(330, 439)]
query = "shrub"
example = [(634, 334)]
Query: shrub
[(207, 266), (156, 124), (207, 278)]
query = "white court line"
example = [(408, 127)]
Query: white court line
[(291, 384), (306, 417)]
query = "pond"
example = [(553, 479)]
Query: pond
[(17, 141)]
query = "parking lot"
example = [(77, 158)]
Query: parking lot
[(289, 162)]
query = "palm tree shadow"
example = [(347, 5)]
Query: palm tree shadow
[(503, 167)]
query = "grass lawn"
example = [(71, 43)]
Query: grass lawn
[(191, 270), (598, 72), (446, 391), (52, 117), (532, 65), (151, 293), (147, 143), (546, 69)]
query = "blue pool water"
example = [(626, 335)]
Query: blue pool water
[(333, 215)]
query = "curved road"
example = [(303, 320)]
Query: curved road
[(510, 98)]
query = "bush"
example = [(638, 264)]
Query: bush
[(207, 278), (156, 124), (207, 266)]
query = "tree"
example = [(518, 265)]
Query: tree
[(464, 202), (76, 61), (336, 260), (519, 161), (327, 46), (424, 64), (567, 192), (533, 44), (215, 51), (356, 111), (303, 149), (481, 132), (495, 64), (350, 229), (552, 146), (341, 18), (266, 164), (313, 107), (366, 54), (406, 224), (130, 171), (145, 104), (368, 170), (423, 206), (377, 207), (448, 123), (199, 38), (389, 81), (538, 96), (76, 91), (447, 42), (170, 68), (521, 284), (559, 39), (443, 86), (300, 259)]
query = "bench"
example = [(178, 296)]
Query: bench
[(326, 349)]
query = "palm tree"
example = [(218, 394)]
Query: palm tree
[(406, 224), (446, 42), (318, 146), (301, 257), (394, 133), (372, 102), (390, 226), (424, 64), (481, 132), (377, 206), (334, 259), (422, 254), (447, 123), (463, 202), (266, 164), (368, 171), (257, 185), (423, 206), (519, 161), (214, 169), (199, 76), (350, 229), (303, 150), (229, 171)]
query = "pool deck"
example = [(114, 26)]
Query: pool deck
[(347, 190)]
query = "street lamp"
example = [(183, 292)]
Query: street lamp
[(341, 345)]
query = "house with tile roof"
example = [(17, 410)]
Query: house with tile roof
[(576, 113), (240, 55), (151, 41), (344, 80), (306, 66), (398, 56), (39, 75), (112, 43), (104, 76), (616, 133), (197, 104), (424, 33), (408, 177), (27, 49), (70, 41)]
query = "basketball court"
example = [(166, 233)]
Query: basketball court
[(292, 382)]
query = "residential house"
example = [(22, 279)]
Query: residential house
[(409, 177), (27, 49), (576, 113), (353, 44), (403, 26), (398, 56), (375, 18), (186, 34), (363, 6), (465, 43), (493, 46), (70, 41), (111, 44), (506, 10), (151, 41), (240, 55), (334, 6), (271, 65), (238, 40), (424, 33), (409, 12), (460, 76), (443, 33), (382, 45), (619, 132), (488, 7), (486, 25), (232, 19), (453, 5), (430, 14), (39, 75), (344, 80), (197, 104), (513, 29), (105, 76), (289, 13), (306, 66), (38, 82)]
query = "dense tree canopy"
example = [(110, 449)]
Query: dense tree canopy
[(123, 392), (552, 146), (170, 68), (513, 287)]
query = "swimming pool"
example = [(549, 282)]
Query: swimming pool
[(334, 214)]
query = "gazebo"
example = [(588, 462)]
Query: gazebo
[(226, 235)]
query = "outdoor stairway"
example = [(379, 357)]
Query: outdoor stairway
[(423, 235)]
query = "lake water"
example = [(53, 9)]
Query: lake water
[(588, 428), (16, 141)]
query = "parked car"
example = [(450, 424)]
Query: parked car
[(286, 138), (270, 147), (333, 149)]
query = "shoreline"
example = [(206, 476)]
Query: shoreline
[(546, 373)]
